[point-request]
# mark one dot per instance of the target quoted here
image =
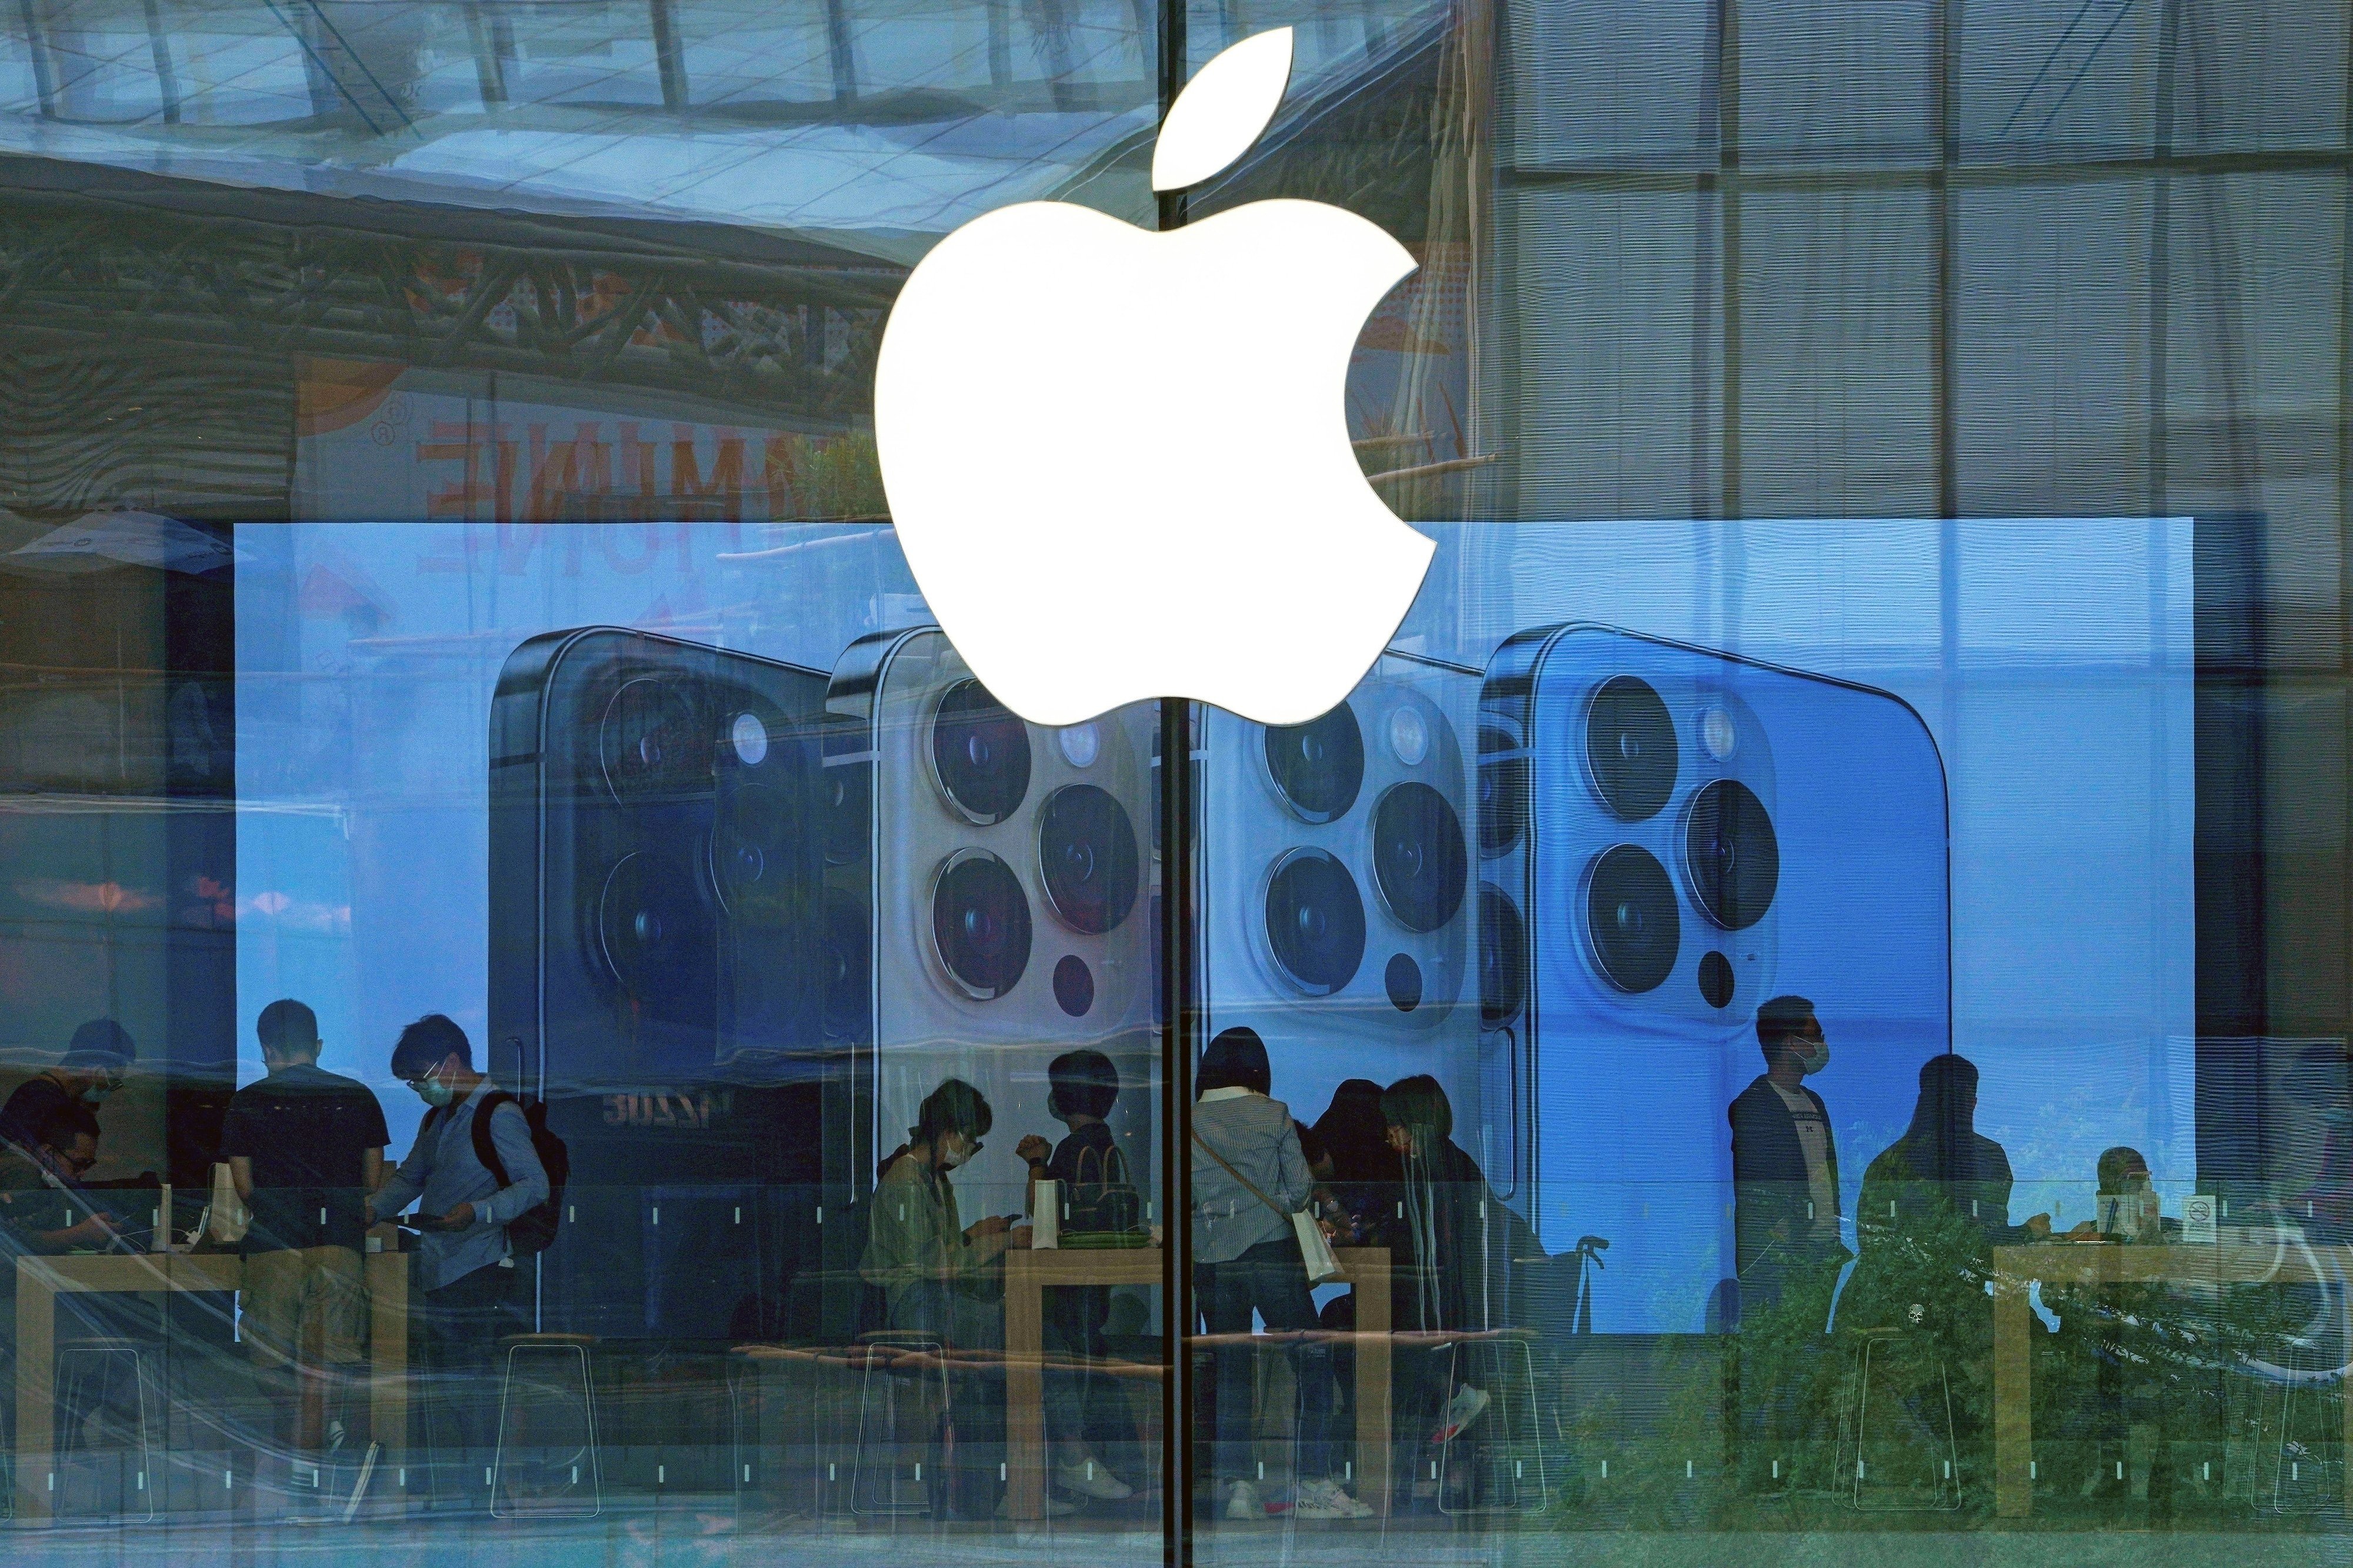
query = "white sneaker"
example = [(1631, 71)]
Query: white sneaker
[(1327, 1500), (1243, 1503), (1468, 1405), (1091, 1478)]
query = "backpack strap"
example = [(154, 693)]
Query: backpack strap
[(485, 1148)]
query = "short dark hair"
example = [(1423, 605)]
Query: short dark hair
[(65, 1122), (1779, 1019), (1086, 1081), (423, 1043), (1235, 1059), (1949, 1073), (954, 1106), (1418, 1104), (288, 1028), (100, 1043)]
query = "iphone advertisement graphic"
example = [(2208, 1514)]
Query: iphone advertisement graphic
[(1846, 664)]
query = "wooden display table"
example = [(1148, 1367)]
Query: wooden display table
[(2240, 1258), (1028, 1275), (41, 1280)]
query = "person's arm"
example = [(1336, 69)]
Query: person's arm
[(92, 1231), (408, 1183), (240, 1175), (526, 1177), (371, 1170), (1295, 1183), (1037, 1155)]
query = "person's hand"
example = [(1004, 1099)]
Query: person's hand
[(367, 1209), (1033, 1149), (91, 1232), (987, 1224), (461, 1217)]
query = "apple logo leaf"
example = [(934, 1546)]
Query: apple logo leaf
[(1222, 111)]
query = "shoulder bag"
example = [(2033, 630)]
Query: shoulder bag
[(1314, 1248)]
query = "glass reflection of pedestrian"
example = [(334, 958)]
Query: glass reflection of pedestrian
[(1784, 1176), (1944, 1162)]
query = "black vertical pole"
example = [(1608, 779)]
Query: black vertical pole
[(1178, 924), (1177, 1021)]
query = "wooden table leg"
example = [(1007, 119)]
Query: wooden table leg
[(387, 1282), (1371, 1282), (36, 1393), (1025, 1392), (2013, 1403)]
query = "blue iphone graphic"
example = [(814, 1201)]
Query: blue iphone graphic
[(1669, 836)]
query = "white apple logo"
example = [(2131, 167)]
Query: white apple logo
[(1118, 459)]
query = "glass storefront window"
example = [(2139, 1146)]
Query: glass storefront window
[(551, 1007)]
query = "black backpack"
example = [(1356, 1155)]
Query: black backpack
[(533, 1230)]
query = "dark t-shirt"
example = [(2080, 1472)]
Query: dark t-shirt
[(1063, 1165), (305, 1131), (29, 1109)]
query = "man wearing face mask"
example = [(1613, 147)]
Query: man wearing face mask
[(96, 1061), (1784, 1181), (464, 1265)]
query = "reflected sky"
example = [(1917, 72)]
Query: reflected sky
[(881, 126)]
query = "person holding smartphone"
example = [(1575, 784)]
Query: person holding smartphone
[(465, 1267)]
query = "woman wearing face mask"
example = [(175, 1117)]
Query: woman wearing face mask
[(944, 1281), (938, 1275)]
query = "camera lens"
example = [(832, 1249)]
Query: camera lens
[(654, 931), (1503, 789), (749, 736), (651, 742), (980, 922), (1087, 858), (1715, 981), (1319, 766), (843, 792), (1419, 861), (981, 752), (845, 966), (1629, 745), (1733, 856), (1315, 921), (1402, 981), (1631, 918), (753, 822), (1074, 986), (1080, 744), (1503, 958)]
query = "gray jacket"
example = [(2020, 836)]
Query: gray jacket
[(443, 1172), (1255, 1136)]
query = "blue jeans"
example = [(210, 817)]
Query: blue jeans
[(1271, 1280)]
